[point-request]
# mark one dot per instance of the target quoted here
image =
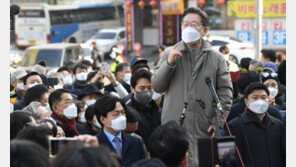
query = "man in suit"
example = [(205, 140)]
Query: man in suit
[(111, 113)]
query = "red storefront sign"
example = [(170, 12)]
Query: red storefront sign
[(129, 27), (169, 29)]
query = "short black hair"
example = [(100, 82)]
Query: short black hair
[(79, 65), (245, 62), (56, 97), (203, 15), (25, 153), (105, 104), (30, 74), (139, 66), (223, 48), (255, 86), (87, 63), (246, 79), (169, 142), (64, 68), (120, 67), (138, 75), (18, 120), (79, 155), (34, 94), (89, 113), (269, 53), (153, 162), (38, 135), (132, 115)]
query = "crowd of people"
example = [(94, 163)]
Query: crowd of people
[(130, 117)]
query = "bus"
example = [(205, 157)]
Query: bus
[(43, 23)]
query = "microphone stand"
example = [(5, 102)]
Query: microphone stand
[(216, 119)]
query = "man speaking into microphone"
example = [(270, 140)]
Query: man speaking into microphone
[(181, 74)]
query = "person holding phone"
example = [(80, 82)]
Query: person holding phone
[(110, 112)]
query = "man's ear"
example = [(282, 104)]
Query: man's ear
[(246, 102), (103, 120), (205, 30), (26, 87), (133, 90)]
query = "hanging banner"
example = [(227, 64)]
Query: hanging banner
[(172, 7), (129, 27), (169, 30), (247, 9)]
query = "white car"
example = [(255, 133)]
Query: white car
[(108, 38), (237, 48)]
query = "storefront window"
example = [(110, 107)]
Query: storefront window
[(150, 16), (218, 19)]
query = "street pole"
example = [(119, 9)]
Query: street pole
[(259, 13)]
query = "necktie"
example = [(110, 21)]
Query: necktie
[(117, 147)]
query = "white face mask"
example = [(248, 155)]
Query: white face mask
[(190, 35), (58, 86), (82, 118), (89, 70), (273, 91), (155, 96), (67, 80), (258, 107), (33, 84), (70, 112), (81, 76), (127, 77), (97, 124), (90, 102), (119, 123), (102, 90), (48, 109), (20, 86)]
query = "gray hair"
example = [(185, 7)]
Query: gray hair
[(256, 63), (32, 110)]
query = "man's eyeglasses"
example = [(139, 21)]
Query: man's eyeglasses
[(266, 74), (194, 24)]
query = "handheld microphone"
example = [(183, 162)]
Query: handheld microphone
[(214, 94), (14, 10)]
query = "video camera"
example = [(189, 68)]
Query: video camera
[(217, 151)]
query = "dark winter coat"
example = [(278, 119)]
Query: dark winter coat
[(150, 118), (259, 145)]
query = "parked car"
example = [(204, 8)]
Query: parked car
[(108, 38), (238, 49), (55, 55)]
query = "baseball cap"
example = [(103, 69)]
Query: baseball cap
[(40, 69), (19, 73), (138, 60), (270, 66)]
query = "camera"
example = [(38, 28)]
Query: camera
[(58, 144), (217, 151)]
